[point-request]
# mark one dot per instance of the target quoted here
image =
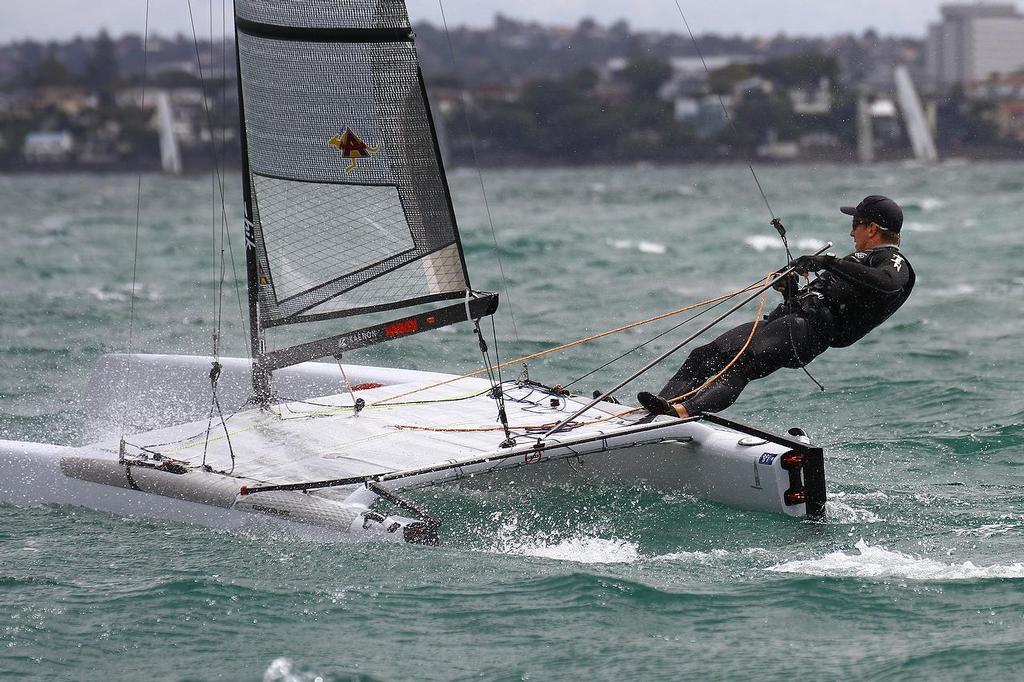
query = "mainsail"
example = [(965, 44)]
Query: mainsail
[(347, 206)]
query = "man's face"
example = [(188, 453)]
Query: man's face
[(862, 233)]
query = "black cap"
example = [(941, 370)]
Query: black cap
[(877, 209)]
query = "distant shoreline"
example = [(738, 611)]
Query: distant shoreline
[(971, 154)]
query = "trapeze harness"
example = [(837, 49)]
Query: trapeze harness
[(847, 300)]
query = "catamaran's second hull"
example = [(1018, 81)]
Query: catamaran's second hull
[(42, 474)]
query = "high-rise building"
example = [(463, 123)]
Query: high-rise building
[(973, 42)]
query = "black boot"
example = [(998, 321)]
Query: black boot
[(655, 404)]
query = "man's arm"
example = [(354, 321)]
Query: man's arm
[(888, 276)]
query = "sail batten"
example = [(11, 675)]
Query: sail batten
[(350, 211), (330, 14), (331, 35)]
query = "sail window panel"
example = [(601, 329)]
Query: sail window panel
[(329, 224), (325, 13), (317, 233), (435, 276), (298, 96)]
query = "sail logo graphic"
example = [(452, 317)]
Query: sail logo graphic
[(351, 147)]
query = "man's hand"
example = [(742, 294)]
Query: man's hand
[(812, 263), (787, 284)]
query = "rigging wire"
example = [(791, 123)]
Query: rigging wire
[(502, 416), (216, 164), (135, 254), (224, 233), (213, 209), (480, 175), (654, 338), (776, 222), (728, 116), (496, 392), (544, 428), (217, 179), (577, 342)]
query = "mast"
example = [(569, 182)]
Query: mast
[(260, 375)]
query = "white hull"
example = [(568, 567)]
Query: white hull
[(426, 444), (31, 474)]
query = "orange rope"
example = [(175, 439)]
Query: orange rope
[(711, 380), (746, 344), (571, 344)]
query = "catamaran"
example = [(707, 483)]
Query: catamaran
[(349, 220)]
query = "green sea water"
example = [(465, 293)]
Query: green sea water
[(918, 573)]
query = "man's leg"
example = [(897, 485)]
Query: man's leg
[(788, 341), (705, 361)]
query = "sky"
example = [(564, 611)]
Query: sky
[(61, 19)]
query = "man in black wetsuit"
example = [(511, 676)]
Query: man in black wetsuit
[(850, 297)]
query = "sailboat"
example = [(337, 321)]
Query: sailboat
[(349, 220)]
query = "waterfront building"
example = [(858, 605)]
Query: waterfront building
[(973, 42)]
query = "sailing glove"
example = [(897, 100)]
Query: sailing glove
[(812, 263)]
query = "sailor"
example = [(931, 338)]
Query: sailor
[(849, 297)]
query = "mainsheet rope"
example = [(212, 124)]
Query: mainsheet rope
[(677, 399), (572, 344)]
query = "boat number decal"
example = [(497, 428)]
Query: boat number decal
[(767, 458), (270, 510), (351, 147)]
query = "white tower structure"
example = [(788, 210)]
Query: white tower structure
[(914, 117), (972, 42), (170, 155)]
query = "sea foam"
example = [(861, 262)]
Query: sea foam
[(641, 246), (763, 242), (580, 547), (878, 562), (584, 550)]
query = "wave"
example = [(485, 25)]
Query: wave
[(878, 562), (695, 557), (10, 582), (116, 293), (840, 512), (921, 227), (763, 242), (581, 549), (989, 529), (924, 204), (286, 670), (641, 246), (957, 290)]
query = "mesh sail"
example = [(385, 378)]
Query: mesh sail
[(350, 210)]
